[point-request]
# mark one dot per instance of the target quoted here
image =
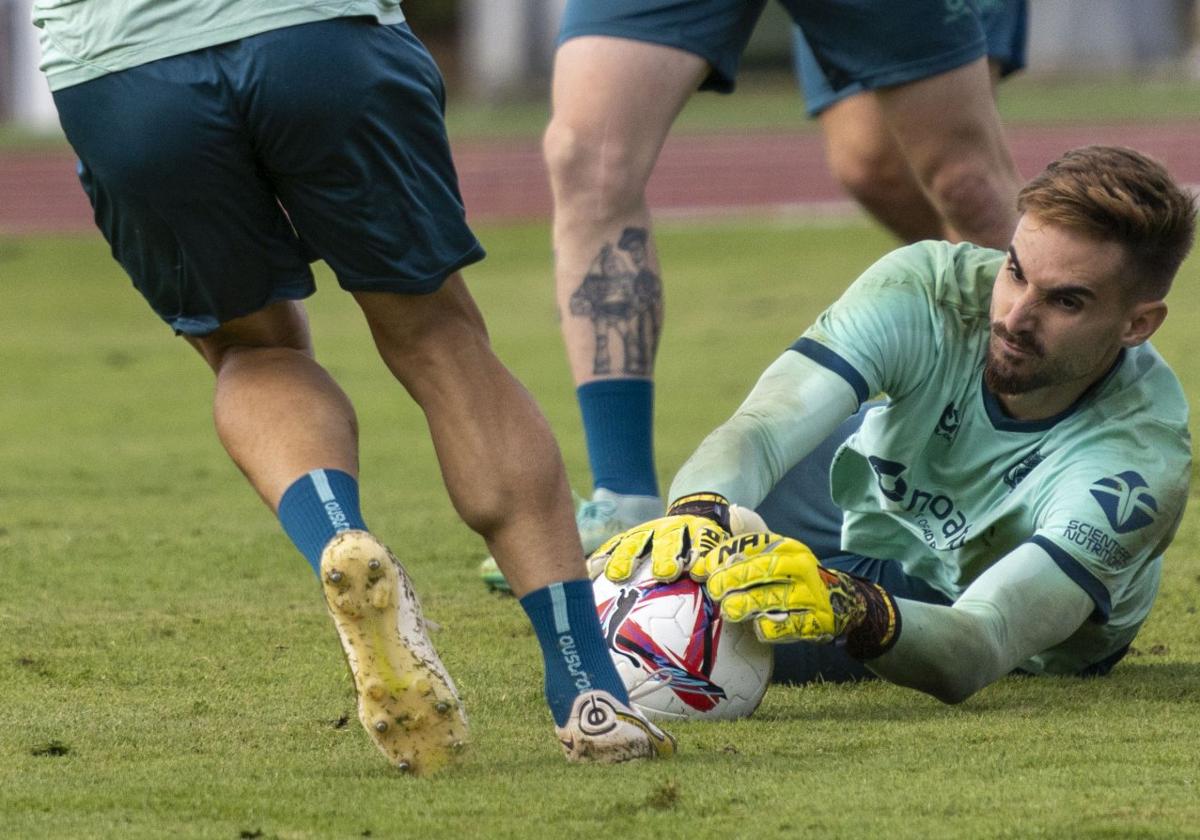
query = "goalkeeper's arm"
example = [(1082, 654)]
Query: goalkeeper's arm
[(1021, 606), (795, 405)]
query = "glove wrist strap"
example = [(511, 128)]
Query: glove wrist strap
[(712, 506), (880, 628)]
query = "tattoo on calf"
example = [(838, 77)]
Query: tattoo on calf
[(622, 296)]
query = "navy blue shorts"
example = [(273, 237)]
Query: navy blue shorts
[(1005, 25), (864, 42), (218, 175)]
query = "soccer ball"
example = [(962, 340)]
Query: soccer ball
[(677, 657)]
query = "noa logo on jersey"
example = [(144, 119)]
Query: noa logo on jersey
[(1126, 501), (942, 523)]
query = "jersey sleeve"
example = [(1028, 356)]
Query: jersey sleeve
[(1020, 606), (792, 408), (882, 334), (1108, 516)]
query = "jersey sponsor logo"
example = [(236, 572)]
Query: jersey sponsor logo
[(891, 485), (935, 513), (1098, 542), (1017, 472), (1126, 501), (948, 423)]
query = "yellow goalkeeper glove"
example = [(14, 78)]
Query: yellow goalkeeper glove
[(778, 583), (693, 525)]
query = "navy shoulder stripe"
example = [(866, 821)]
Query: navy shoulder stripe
[(1078, 573), (826, 358)]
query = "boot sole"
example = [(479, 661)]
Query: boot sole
[(407, 702)]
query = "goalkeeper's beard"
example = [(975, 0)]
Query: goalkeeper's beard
[(1026, 373)]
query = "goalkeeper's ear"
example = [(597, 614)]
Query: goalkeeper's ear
[(744, 521)]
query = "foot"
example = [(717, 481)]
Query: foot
[(607, 514), (602, 729), (604, 515), (492, 577), (406, 700)]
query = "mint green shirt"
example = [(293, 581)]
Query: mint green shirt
[(85, 39), (943, 481), (940, 479)]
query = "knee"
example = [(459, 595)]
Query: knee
[(871, 175), (593, 177), (967, 193), (974, 197)]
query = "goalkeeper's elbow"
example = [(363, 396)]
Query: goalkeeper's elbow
[(957, 691)]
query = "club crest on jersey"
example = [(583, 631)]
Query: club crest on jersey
[(1015, 474), (948, 423), (1126, 501)]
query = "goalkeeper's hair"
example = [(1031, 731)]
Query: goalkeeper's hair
[(1115, 194)]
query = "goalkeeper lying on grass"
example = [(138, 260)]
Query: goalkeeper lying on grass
[(1009, 503)]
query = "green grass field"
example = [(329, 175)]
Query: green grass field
[(167, 668)]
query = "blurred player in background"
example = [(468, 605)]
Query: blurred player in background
[(221, 144), (622, 72), (1008, 505), (861, 150)]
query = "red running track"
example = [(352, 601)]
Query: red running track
[(698, 175)]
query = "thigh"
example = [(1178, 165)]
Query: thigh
[(946, 117), (857, 137), (620, 97), (347, 120), (715, 30), (178, 194), (867, 43)]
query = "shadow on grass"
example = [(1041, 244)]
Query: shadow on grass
[(1132, 682)]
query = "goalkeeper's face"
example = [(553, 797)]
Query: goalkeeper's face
[(1058, 318)]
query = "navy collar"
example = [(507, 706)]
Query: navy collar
[(1003, 423)]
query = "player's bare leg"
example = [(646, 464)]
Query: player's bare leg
[(868, 161), (281, 417), (278, 413), (506, 479), (865, 158), (499, 460), (949, 130), (613, 102)]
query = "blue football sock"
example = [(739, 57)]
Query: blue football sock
[(564, 617), (318, 506), (618, 422)]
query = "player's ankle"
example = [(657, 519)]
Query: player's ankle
[(576, 657)]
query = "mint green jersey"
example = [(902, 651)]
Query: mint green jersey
[(85, 39), (941, 480)]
